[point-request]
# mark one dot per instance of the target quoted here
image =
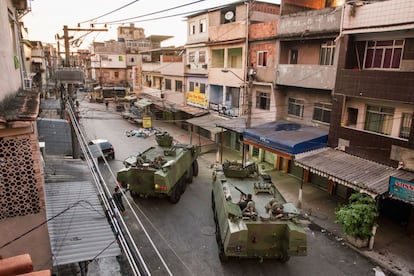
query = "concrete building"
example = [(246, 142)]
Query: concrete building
[(22, 199)]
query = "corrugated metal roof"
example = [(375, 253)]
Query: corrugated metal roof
[(351, 171), (81, 233), (234, 124), (208, 122)]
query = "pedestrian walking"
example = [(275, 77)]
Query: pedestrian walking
[(118, 198), (106, 105)]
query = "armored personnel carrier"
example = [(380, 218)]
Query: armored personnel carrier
[(265, 227), (161, 170)]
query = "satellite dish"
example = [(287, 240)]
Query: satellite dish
[(229, 15)]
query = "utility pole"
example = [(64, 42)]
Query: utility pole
[(67, 38), (70, 87)]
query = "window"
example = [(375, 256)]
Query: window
[(406, 125), (327, 53), (322, 112), (383, 54), (192, 28), (202, 57), (178, 86), (116, 74), (295, 107), (202, 88), (293, 59), (263, 100), (203, 26), (217, 58), (234, 58), (168, 84), (379, 119), (262, 58), (191, 57)]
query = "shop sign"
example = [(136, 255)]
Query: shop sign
[(401, 188)]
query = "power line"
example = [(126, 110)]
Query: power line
[(152, 13), (120, 8)]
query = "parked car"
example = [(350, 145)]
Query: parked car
[(106, 147)]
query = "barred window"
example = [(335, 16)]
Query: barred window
[(383, 54), (178, 86), (295, 107), (262, 100), (327, 53), (168, 84), (405, 128), (322, 112), (379, 119)]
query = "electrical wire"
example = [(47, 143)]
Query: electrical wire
[(108, 13), (152, 13)]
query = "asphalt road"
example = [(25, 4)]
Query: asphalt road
[(184, 233)]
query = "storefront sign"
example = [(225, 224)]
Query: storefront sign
[(197, 99), (402, 189)]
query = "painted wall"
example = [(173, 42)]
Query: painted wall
[(9, 51)]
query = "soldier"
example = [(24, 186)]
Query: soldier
[(249, 211), (118, 198), (244, 200), (276, 211)]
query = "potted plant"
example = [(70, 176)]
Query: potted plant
[(358, 218)]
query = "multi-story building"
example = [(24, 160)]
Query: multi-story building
[(136, 41), (373, 103), (196, 60), (218, 45), (22, 198), (38, 66), (108, 63), (370, 130)]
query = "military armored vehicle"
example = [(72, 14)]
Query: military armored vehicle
[(163, 170), (266, 227)]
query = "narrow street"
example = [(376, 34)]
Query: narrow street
[(184, 232)]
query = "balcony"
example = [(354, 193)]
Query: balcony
[(306, 76), (382, 84), (310, 23)]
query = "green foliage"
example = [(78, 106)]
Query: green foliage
[(358, 216)]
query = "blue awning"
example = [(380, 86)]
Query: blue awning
[(287, 137)]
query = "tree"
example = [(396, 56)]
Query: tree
[(358, 216)]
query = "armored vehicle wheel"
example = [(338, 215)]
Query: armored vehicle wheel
[(182, 183), (195, 168), (190, 175), (220, 246), (213, 204), (176, 194), (284, 258)]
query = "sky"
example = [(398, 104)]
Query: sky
[(47, 18)]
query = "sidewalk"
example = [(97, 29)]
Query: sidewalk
[(393, 249)]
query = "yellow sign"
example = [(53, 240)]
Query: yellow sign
[(146, 122), (197, 98)]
